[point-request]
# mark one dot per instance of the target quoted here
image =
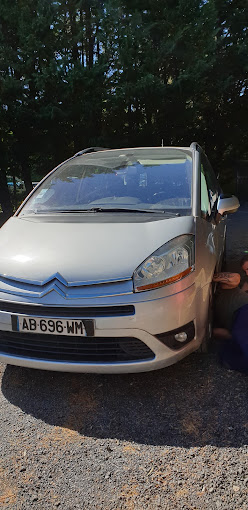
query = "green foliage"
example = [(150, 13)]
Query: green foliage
[(76, 73)]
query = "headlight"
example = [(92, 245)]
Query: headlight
[(170, 263)]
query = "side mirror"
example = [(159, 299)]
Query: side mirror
[(227, 204)]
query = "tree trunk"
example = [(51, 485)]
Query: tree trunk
[(130, 121), (5, 200), (89, 37), (27, 178)]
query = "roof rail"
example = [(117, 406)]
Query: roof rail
[(88, 150), (195, 146)]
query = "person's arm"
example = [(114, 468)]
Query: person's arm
[(222, 333), (227, 280)]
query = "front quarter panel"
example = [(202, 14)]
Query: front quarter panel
[(210, 239)]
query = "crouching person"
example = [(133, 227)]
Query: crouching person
[(231, 317)]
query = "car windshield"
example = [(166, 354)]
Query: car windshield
[(148, 180)]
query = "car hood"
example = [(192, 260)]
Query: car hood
[(82, 252)]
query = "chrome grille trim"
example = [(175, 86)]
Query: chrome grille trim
[(59, 278), (65, 290)]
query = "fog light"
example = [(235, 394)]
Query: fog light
[(181, 337), (178, 338)]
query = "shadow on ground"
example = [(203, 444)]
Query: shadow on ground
[(193, 403)]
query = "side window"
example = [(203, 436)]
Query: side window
[(205, 203), (209, 189)]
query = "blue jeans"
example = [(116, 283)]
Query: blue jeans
[(235, 352)]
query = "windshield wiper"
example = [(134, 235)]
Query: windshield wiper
[(120, 209), (113, 209), (105, 210)]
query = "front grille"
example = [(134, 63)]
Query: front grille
[(67, 311), (74, 349)]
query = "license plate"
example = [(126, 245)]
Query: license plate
[(47, 326)]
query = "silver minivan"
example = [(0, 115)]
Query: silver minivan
[(107, 265)]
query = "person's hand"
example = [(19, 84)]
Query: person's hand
[(227, 280)]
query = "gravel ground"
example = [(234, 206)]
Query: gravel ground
[(172, 439)]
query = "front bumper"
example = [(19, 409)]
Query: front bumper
[(151, 318)]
